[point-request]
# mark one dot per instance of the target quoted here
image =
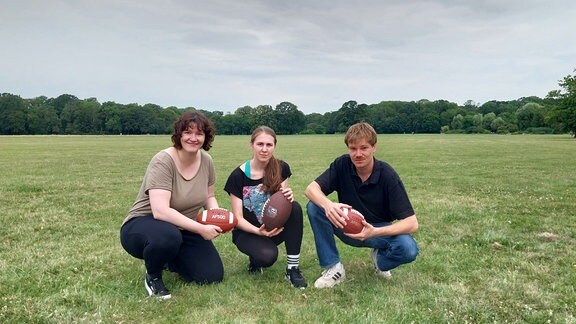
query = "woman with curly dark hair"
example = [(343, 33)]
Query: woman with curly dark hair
[(160, 227)]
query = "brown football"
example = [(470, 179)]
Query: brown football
[(218, 216), (354, 224), (276, 211)]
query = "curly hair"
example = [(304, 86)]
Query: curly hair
[(200, 121)]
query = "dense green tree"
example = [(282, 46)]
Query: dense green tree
[(429, 123), (232, 124), (487, 121), (111, 117), (446, 110), (12, 115), (263, 115), (67, 114), (499, 126), (477, 120), (134, 119), (244, 123), (564, 112), (61, 101), (68, 117), (289, 120), (166, 119), (530, 115), (457, 122), (350, 113), (87, 117), (314, 124), (157, 124), (42, 117)]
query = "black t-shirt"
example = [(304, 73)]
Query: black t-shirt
[(251, 193), (381, 198)]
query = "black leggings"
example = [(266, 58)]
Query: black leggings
[(262, 250), (161, 243)]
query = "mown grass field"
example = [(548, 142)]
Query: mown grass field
[(497, 235)]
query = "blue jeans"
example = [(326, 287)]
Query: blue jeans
[(392, 250)]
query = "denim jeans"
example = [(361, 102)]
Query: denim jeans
[(392, 250)]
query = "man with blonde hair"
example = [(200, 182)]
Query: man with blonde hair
[(374, 189)]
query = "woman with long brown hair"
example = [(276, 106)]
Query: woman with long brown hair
[(249, 186)]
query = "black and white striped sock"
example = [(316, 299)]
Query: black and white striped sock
[(293, 261)]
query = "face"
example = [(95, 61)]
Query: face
[(361, 153), (263, 147), (192, 139)]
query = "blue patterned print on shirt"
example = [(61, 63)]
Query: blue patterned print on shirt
[(254, 198)]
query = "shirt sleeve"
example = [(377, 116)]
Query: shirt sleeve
[(329, 179), (159, 174), (286, 172), (234, 185), (400, 206)]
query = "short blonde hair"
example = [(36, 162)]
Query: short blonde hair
[(360, 131)]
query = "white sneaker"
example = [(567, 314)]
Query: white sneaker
[(385, 274), (331, 277)]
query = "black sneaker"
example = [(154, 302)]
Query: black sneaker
[(156, 288), (253, 270), (294, 277)]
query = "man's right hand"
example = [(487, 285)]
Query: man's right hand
[(335, 214)]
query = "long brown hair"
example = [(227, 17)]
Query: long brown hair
[(273, 171)]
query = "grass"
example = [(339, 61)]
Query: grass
[(496, 235)]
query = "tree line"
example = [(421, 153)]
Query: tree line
[(67, 114)]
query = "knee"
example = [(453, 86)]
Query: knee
[(213, 278), (296, 218), (205, 274), (205, 279), (410, 251), (166, 243), (266, 258)]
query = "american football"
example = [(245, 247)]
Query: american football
[(276, 211), (354, 224), (219, 217)]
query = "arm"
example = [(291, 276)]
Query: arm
[(288, 193), (211, 201), (333, 210), (243, 224), (161, 210), (407, 225)]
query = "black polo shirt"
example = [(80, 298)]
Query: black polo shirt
[(381, 198)]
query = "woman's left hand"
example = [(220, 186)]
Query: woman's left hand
[(288, 193), (271, 233)]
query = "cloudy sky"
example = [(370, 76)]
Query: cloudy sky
[(317, 54)]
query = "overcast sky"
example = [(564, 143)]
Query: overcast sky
[(316, 54)]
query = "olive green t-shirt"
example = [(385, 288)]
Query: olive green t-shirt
[(188, 196)]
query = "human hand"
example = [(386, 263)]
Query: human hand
[(210, 232), (367, 232), (288, 193), (271, 233), (335, 214)]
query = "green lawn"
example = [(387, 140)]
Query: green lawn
[(497, 235)]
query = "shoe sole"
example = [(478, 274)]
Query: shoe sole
[(336, 282), (290, 282), (384, 274), (151, 293)]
